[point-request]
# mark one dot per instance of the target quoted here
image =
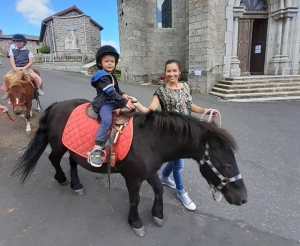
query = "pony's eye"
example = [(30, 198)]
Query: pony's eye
[(226, 167)]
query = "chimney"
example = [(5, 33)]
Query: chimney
[(0, 32)]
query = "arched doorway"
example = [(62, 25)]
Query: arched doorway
[(252, 37)]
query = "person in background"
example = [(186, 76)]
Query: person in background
[(21, 59)]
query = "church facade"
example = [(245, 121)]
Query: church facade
[(213, 39), (71, 31)]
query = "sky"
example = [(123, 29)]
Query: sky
[(25, 16)]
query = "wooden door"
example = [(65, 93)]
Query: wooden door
[(244, 45), (258, 47)]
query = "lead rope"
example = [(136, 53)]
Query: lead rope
[(12, 119), (216, 194), (210, 116)]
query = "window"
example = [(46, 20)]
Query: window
[(254, 5), (164, 13)]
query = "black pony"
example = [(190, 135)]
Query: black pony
[(158, 137)]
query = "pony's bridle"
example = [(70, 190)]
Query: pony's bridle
[(224, 180), (18, 104)]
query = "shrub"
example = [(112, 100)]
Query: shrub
[(44, 49)]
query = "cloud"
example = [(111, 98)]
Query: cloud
[(113, 43), (34, 10)]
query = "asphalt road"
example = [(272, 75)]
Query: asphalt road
[(43, 213)]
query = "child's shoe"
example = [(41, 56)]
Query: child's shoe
[(96, 157), (5, 96), (186, 200), (41, 93), (167, 181)]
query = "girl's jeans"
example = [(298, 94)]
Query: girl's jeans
[(177, 167), (105, 113)]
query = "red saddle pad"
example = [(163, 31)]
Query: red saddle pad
[(80, 131)]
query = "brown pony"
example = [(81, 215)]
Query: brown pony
[(21, 94)]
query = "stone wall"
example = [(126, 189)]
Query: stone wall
[(32, 45), (144, 47), (196, 39), (133, 40), (206, 42)]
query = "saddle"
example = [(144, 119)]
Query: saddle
[(120, 119)]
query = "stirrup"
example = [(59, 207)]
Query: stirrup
[(93, 157)]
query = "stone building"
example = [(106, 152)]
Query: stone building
[(71, 31), (213, 39), (33, 43)]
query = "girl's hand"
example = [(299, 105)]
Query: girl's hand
[(211, 111), (215, 113), (130, 105)]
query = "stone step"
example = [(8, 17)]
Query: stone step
[(256, 90), (294, 93), (242, 82), (264, 78), (256, 85)]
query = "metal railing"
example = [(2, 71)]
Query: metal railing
[(60, 58)]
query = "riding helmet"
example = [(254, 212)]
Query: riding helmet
[(106, 50), (19, 37)]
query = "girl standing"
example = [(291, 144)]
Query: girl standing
[(174, 96)]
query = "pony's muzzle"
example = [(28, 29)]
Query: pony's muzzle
[(18, 110)]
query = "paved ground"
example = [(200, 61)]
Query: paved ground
[(43, 213)]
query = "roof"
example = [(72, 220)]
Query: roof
[(61, 13), (28, 37)]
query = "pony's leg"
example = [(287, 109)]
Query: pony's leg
[(38, 108), (134, 219), (75, 182), (60, 176), (157, 209), (28, 117), (28, 126)]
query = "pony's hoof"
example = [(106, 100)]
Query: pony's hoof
[(38, 110), (158, 221), (139, 231), (28, 132), (67, 182), (80, 192)]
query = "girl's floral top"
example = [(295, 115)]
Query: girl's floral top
[(178, 100)]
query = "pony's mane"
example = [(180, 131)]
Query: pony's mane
[(19, 78), (184, 125)]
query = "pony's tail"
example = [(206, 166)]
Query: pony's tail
[(27, 162)]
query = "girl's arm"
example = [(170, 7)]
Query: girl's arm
[(197, 109), (152, 107)]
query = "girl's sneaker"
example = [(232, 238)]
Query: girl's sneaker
[(186, 200), (167, 181)]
